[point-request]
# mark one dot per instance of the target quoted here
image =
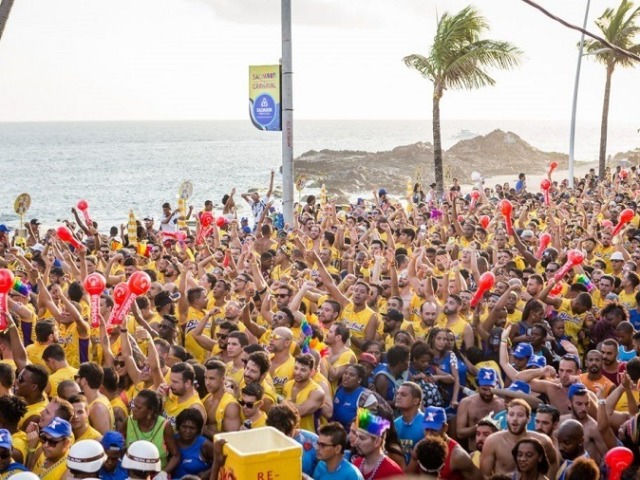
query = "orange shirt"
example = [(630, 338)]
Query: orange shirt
[(603, 383)]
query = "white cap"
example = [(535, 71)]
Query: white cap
[(142, 455), (616, 256), (86, 456), (25, 476)]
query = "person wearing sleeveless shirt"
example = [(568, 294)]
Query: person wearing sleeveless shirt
[(89, 378), (49, 461), (181, 394), (196, 452), (146, 423)]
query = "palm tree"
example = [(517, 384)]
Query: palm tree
[(457, 59), (619, 28), (5, 9)]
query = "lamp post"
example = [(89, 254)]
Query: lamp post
[(287, 114), (572, 135)]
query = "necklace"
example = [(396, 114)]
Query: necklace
[(371, 475)]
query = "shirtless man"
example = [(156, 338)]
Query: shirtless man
[(496, 454), (472, 409), (579, 403), (556, 391), (458, 463)]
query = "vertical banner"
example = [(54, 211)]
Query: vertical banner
[(264, 97)]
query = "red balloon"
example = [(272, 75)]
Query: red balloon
[(221, 222), (206, 219), (94, 284), (575, 257), (556, 289), (6, 280), (506, 208), (66, 236), (486, 282), (545, 240), (475, 194), (545, 184), (120, 292), (82, 205), (139, 283), (626, 215), (484, 221), (553, 165), (617, 459)]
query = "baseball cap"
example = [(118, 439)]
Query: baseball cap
[(434, 418), (5, 439), (34, 221), (58, 428), (526, 234), (382, 191), (148, 219), (519, 386), (537, 361), (4, 228), (523, 350), (577, 389), (246, 229), (38, 247), (394, 315), (162, 299), (113, 440), (368, 358), (616, 256), (486, 377)]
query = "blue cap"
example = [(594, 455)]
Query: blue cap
[(434, 418), (382, 191), (537, 361), (523, 350), (486, 377), (5, 439), (58, 428), (246, 229), (577, 389), (4, 228), (519, 386), (112, 441)]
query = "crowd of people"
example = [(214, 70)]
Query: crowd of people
[(359, 331)]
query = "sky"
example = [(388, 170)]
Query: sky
[(79, 60)]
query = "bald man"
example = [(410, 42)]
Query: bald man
[(282, 362), (570, 444)]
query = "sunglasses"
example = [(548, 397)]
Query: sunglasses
[(51, 441), (221, 336), (283, 295), (242, 403), (119, 363)]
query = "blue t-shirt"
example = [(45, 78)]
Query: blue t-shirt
[(409, 433), (345, 405), (634, 318), (309, 442), (118, 474), (625, 355), (345, 471)]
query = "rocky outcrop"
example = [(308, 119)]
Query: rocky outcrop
[(496, 153)]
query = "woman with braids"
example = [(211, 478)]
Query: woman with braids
[(146, 423)]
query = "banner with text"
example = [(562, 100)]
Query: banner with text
[(264, 97)]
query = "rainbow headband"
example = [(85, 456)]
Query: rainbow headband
[(370, 423)]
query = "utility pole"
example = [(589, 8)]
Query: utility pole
[(287, 114)]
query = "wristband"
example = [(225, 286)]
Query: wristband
[(602, 401)]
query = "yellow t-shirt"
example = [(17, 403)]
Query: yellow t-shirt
[(54, 472), (90, 434), (282, 374), (33, 409), (356, 322), (193, 318), (308, 422), (572, 323), (173, 407), (34, 354), (64, 373)]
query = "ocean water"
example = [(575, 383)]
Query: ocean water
[(116, 166)]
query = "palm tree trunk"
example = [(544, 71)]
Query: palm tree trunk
[(437, 141), (5, 9), (604, 126)]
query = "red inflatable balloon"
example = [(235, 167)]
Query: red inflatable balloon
[(626, 216), (120, 293), (6, 284), (545, 185), (66, 236), (221, 222), (484, 221), (506, 208), (83, 206), (618, 459), (95, 284), (486, 282), (139, 283), (556, 289), (574, 257), (206, 219), (552, 167), (475, 195), (544, 241)]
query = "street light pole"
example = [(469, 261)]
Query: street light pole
[(287, 114), (572, 135)]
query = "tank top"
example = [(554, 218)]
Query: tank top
[(356, 322), (282, 374), (172, 407), (226, 400), (446, 473), (33, 409), (155, 436), (192, 462), (105, 401), (54, 472), (193, 318), (308, 422)]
